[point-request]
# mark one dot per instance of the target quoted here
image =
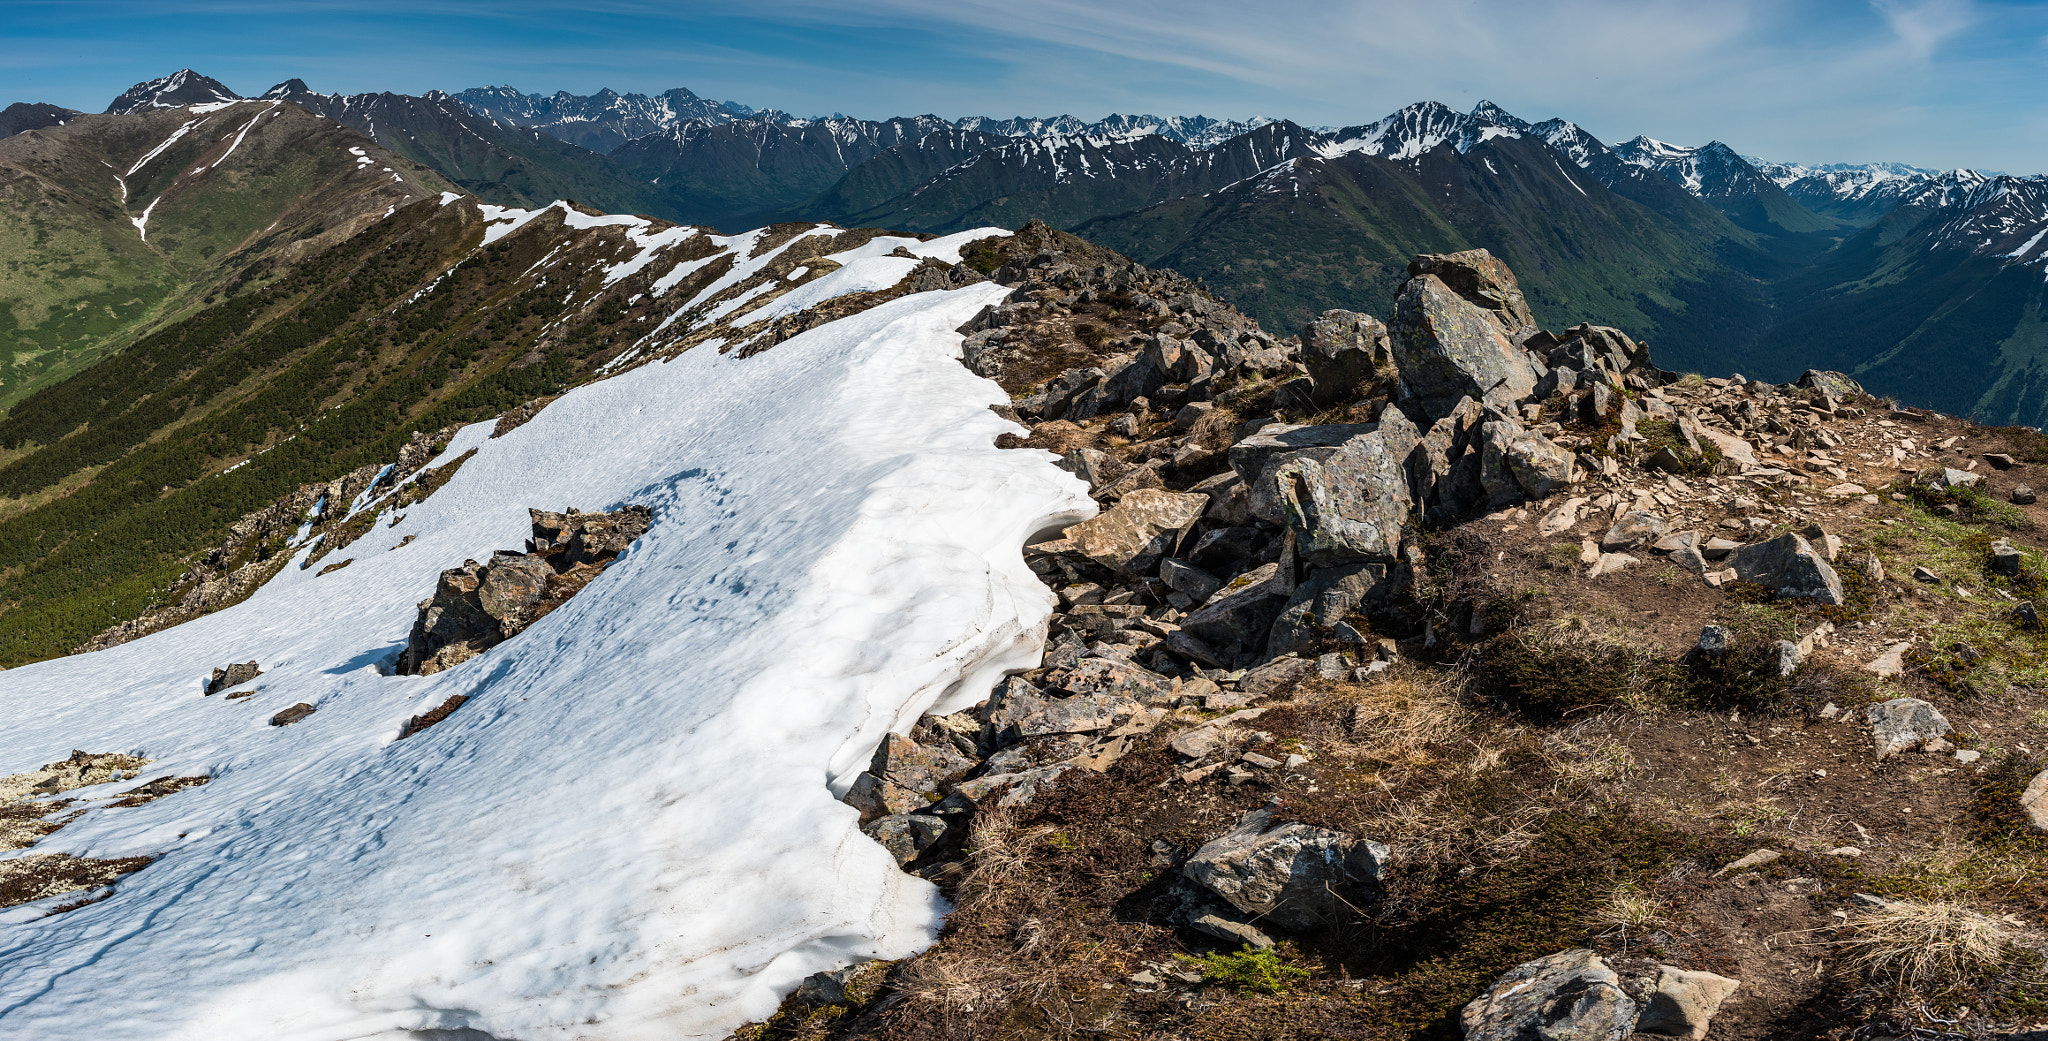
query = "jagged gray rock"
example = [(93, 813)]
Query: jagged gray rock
[(1447, 348), (233, 676), (1323, 600), (1481, 278), (1903, 724), (1632, 530), (1235, 622), (1290, 874), (1345, 503), (1342, 351), (1790, 567), (1569, 995), (906, 835)]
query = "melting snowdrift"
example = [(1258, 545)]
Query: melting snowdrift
[(627, 832)]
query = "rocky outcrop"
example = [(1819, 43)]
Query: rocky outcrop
[(1448, 348), (477, 606), (258, 545)]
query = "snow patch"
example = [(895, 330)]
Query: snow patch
[(627, 830)]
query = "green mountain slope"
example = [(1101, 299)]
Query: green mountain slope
[(445, 312), (495, 161), (109, 225)]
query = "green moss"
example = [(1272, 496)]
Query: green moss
[(1256, 969)]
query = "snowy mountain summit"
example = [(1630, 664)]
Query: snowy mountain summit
[(177, 90)]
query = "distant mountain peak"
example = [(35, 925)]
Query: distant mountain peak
[(1498, 116), (24, 116), (1415, 129), (177, 90)]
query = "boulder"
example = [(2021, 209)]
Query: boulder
[(2022, 495), (1732, 448), (1142, 528), (1344, 503), (1234, 623), (1113, 677), (1790, 567), (1275, 675), (1715, 640), (1833, 384), (292, 715), (1539, 467), (1482, 279), (1903, 724), (1684, 1002), (1954, 478), (1324, 599), (1080, 714), (1013, 702), (1290, 875), (233, 676), (875, 797), (1248, 457), (906, 835), (1447, 348), (1633, 530), (2005, 558), (511, 584), (1569, 995), (2034, 801), (826, 988), (1344, 350), (919, 768)]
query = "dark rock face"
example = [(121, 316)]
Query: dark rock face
[(477, 606), (232, 676), (1343, 351)]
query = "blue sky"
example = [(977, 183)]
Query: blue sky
[(1935, 83)]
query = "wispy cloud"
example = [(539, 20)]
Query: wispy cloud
[(1922, 25)]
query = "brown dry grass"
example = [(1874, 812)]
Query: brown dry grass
[(1926, 943)]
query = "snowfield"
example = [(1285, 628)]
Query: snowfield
[(630, 831)]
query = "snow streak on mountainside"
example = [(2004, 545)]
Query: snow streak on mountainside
[(628, 831)]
